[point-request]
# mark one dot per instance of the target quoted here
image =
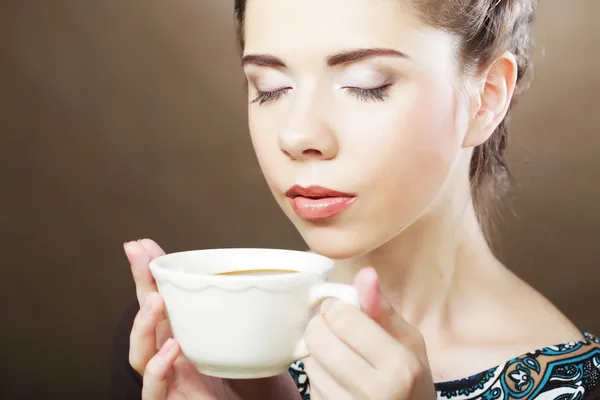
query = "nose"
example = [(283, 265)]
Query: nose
[(308, 136)]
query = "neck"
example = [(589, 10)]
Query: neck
[(429, 267)]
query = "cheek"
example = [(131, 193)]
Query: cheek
[(413, 143), (263, 132), (430, 138)]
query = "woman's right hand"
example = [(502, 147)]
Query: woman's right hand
[(153, 353), (156, 356)]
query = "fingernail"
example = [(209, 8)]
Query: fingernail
[(126, 248), (167, 347)]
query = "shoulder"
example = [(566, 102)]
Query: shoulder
[(564, 371), (568, 370)]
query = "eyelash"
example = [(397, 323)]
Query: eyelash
[(374, 94), (263, 97)]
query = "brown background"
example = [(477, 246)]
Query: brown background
[(121, 120)]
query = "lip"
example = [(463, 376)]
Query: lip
[(317, 202)]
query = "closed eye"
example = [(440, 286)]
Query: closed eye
[(265, 96), (374, 94)]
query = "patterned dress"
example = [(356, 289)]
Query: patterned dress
[(566, 371)]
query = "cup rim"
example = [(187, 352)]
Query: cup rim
[(162, 266)]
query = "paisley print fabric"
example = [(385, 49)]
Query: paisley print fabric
[(297, 372), (569, 371)]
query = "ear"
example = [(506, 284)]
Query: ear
[(492, 99)]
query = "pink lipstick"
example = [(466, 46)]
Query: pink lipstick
[(318, 203)]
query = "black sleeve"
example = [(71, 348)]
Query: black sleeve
[(125, 383), (594, 394)]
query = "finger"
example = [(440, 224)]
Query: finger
[(393, 364), (376, 305), (153, 249), (361, 333), (347, 379), (156, 377), (139, 258), (163, 327), (367, 286), (142, 340), (342, 362), (315, 394), (325, 304), (323, 386)]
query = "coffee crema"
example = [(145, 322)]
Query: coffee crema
[(259, 272)]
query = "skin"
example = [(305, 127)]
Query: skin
[(431, 290)]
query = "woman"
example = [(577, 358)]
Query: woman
[(379, 126)]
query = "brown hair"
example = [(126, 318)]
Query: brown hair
[(485, 28)]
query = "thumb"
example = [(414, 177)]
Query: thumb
[(372, 302), (158, 371), (376, 306)]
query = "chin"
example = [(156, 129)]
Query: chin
[(335, 242)]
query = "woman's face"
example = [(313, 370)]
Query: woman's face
[(355, 105)]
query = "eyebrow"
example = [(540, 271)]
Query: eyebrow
[(263, 60), (360, 54), (346, 57)]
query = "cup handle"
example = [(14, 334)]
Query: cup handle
[(321, 292)]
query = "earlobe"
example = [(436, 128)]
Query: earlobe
[(493, 101)]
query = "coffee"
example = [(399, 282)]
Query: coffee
[(259, 272)]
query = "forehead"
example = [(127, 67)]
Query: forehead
[(316, 28)]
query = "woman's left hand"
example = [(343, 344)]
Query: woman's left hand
[(368, 354)]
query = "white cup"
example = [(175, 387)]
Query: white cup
[(243, 325)]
